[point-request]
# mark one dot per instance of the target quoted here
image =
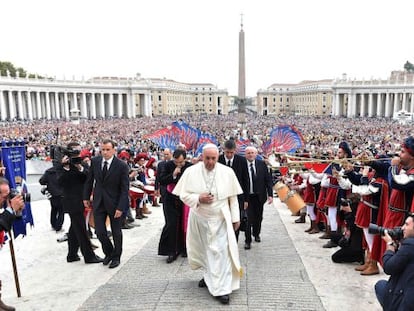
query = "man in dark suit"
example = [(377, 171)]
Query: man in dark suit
[(161, 189), (172, 240), (109, 182), (71, 177), (49, 179), (12, 208), (260, 190), (239, 166)]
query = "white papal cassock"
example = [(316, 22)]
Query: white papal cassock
[(211, 241)]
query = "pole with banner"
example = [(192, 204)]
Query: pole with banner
[(13, 157)]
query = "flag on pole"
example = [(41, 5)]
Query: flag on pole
[(13, 157)]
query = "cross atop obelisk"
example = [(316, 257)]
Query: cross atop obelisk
[(242, 69)]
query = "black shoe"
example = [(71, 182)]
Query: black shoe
[(330, 244), (223, 299), (202, 283), (126, 225), (257, 239), (115, 263), (171, 258), (106, 260), (72, 259), (247, 246), (130, 219), (95, 259)]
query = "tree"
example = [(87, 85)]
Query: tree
[(8, 68)]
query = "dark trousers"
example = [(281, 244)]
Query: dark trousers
[(172, 241), (113, 251), (78, 237), (56, 213), (254, 217), (241, 208)]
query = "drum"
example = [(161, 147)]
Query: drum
[(149, 189), (136, 193), (290, 197)]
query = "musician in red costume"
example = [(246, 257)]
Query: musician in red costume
[(334, 193), (372, 186), (401, 179), (310, 196)]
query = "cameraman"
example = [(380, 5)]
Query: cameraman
[(71, 177), (12, 208), (398, 292), (49, 179), (351, 240)]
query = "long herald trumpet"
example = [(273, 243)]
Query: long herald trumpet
[(291, 159)]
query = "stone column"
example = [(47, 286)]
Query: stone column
[(396, 105), (66, 105), (362, 101), (111, 105), (83, 111), (102, 106), (370, 105), (120, 106), (57, 106), (379, 105), (93, 106), (20, 111), (412, 103), (29, 106), (12, 105), (48, 110), (404, 101), (38, 106), (3, 111), (387, 105)]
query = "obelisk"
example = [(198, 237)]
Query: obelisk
[(241, 100), (242, 68)]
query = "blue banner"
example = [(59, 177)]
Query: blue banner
[(13, 157)]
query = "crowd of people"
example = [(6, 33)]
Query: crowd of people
[(108, 182), (319, 133), (365, 206)]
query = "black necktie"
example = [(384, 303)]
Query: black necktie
[(105, 169), (228, 163), (253, 177)]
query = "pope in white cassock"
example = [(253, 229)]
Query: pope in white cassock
[(211, 189)]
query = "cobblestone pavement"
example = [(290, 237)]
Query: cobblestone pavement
[(288, 270), (275, 279)]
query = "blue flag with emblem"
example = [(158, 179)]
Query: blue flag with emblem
[(13, 158)]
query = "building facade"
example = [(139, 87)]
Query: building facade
[(34, 99), (308, 98), (374, 98)]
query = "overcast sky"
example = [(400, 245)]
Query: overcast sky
[(197, 41)]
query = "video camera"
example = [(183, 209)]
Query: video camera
[(395, 233), (58, 152)]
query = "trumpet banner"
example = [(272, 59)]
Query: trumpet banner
[(283, 138)]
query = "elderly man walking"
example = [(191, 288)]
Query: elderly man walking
[(211, 189)]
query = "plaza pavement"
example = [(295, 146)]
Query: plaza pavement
[(288, 270)]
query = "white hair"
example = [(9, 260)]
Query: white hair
[(253, 148), (210, 146)]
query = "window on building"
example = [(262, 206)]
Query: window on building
[(159, 97)]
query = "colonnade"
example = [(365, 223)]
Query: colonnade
[(33, 101), (382, 103)]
